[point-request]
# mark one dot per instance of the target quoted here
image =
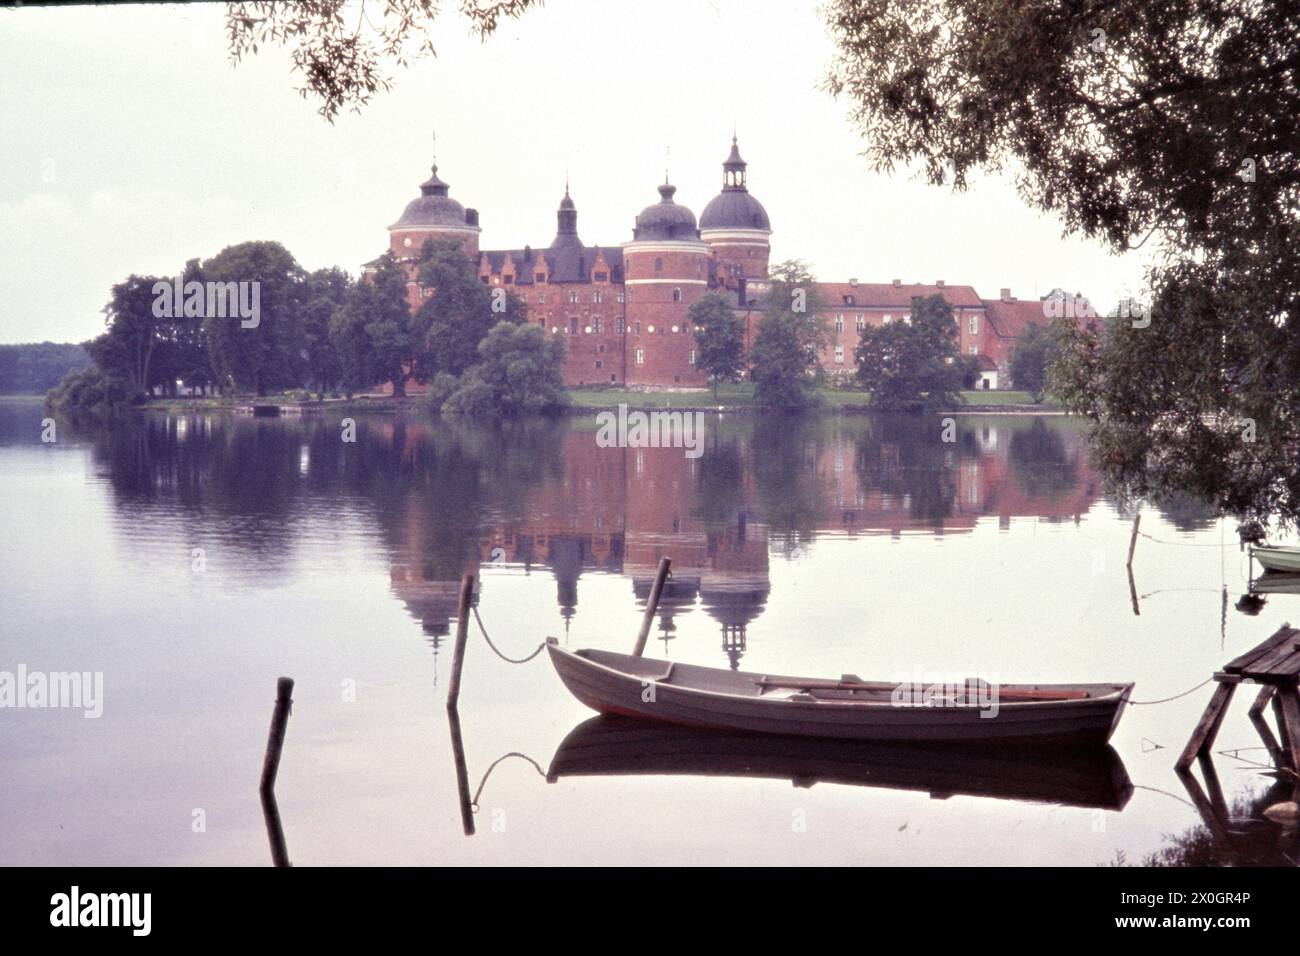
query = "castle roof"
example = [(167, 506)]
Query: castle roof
[(888, 295), (433, 207), (665, 220), (734, 207)]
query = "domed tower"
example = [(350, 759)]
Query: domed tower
[(736, 227), (666, 270), (433, 215)]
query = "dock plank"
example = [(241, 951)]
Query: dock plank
[(1250, 657)]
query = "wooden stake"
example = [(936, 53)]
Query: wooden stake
[(275, 741), (652, 605), (1203, 736), (462, 633), (274, 829), (1133, 540), (462, 772), (1261, 725)]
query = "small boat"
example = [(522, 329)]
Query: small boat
[(606, 746), (848, 708), (1276, 582), (1275, 557)]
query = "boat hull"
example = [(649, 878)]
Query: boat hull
[(1286, 560), (708, 698), (619, 746)]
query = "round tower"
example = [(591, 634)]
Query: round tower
[(666, 270), (736, 227), (433, 215)]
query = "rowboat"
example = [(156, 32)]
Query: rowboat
[(847, 708), (1278, 557), (606, 746)]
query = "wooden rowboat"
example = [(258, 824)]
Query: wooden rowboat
[(607, 746), (848, 708), (1278, 558)]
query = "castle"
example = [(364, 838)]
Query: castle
[(623, 308)]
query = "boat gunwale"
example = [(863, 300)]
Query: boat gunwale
[(1119, 695)]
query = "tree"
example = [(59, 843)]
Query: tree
[(325, 292), (1036, 349), (521, 371), (720, 335), (351, 344), (457, 314), (392, 343), (342, 56), (912, 365), (263, 352), (126, 349), (1129, 119), (785, 367)]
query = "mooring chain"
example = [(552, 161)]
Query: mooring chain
[(473, 803), (522, 660), (1165, 700)]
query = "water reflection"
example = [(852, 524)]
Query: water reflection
[(448, 499)]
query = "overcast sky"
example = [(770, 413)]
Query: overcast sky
[(130, 143)]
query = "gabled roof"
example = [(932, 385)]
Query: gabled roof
[(1009, 319), (888, 295), (566, 262)]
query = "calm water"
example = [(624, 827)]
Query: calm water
[(194, 558)]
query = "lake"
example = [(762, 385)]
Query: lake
[(193, 558)]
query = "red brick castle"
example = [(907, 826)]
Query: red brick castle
[(623, 308)]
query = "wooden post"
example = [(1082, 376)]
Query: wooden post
[(274, 829), (462, 772), (275, 741), (462, 632), (1132, 588), (1261, 725), (1203, 736), (1133, 539), (652, 605), (1290, 701)]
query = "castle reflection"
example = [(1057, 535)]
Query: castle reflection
[(451, 498), (760, 487)]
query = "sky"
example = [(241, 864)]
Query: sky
[(130, 143)]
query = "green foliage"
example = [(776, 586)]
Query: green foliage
[(267, 355), (1128, 119), (913, 365), (1036, 349), (521, 371), (324, 294), (125, 351), (388, 325), (785, 367), (344, 59), (720, 337), (90, 391), (449, 325), (35, 368)]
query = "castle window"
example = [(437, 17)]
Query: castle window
[(888, 318), (839, 323), (677, 295), (540, 277), (483, 279), (659, 265), (620, 325), (974, 325), (595, 324), (541, 298), (573, 326), (640, 357), (848, 300), (974, 350), (862, 323), (636, 328), (602, 277), (599, 364), (573, 298), (699, 267), (691, 357), (597, 297), (508, 280), (839, 355), (620, 298)]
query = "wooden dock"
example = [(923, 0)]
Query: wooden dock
[(1274, 666)]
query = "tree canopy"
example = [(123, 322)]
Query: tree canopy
[(791, 333), (1128, 119), (720, 338), (912, 365)]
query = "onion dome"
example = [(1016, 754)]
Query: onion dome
[(433, 208), (734, 207), (665, 219)]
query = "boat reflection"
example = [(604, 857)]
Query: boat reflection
[(618, 746)]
